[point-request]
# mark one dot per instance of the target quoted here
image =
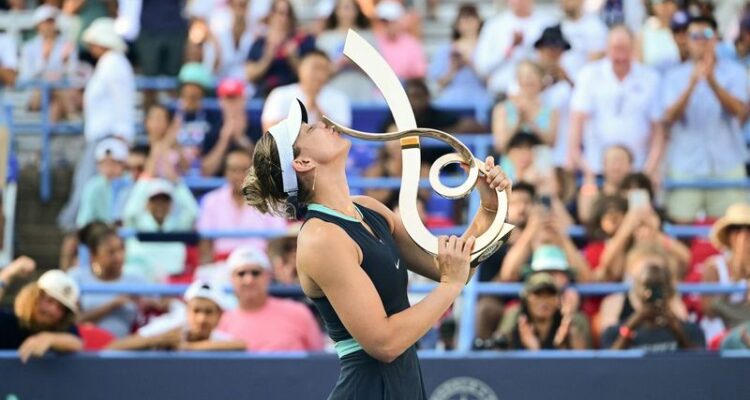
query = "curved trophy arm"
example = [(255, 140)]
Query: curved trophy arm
[(372, 63)]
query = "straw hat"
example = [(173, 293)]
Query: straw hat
[(102, 33), (737, 214)]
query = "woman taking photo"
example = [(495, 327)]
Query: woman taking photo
[(350, 252), (43, 315)]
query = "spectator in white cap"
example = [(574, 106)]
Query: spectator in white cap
[(108, 105), (50, 57), (158, 205), (263, 322), (186, 328), (403, 52), (43, 317), (105, 194)]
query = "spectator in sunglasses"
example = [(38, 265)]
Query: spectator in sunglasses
[(263, 322), (705, 101)]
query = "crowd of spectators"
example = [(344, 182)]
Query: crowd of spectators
[(590, 112)]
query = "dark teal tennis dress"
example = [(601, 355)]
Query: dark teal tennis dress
[(362, 376)]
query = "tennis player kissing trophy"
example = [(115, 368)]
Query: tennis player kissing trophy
[(373, 64)]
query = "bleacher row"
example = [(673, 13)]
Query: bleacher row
[(366, 117)]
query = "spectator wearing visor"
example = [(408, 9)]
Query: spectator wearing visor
[(43, 316), (705, 100), (191, 326)]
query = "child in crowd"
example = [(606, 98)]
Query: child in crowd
[(105, 194)]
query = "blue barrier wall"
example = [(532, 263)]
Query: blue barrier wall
[(562, 375)]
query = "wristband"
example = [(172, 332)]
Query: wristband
[(627, 333)]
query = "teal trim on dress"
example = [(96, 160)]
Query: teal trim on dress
[(326, 210), (346, 347)]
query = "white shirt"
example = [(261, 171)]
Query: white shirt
[(619, 112), (8, 52), (233, 57), (109, 99), (128, 22), (61, 61), (331, 103), (707, 140), (496, 38), (586, 35), (558, 97)]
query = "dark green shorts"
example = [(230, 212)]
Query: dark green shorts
[(365, 378)]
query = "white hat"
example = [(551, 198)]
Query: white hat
[(201, 289), (389, 10), (247, 255), (43, 13), (115, 148), (61, 287), (160, 186), (102, 33)]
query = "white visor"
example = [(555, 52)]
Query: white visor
[(285, 134)]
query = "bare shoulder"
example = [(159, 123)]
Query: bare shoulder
[(378, 207), (318, 237)]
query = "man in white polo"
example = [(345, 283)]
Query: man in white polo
[(616, 102), (704, 100)]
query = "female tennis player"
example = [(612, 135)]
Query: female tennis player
[(353, 254)]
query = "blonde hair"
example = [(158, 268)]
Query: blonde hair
[(263, 187), (534, 66), (25, 305)]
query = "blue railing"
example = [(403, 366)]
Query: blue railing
[(480, 144), (487, 288)]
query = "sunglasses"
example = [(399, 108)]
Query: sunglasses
[(705, 34), (254, 272)]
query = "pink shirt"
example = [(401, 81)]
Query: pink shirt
[(220, 212), (280, 325), (404, 54)]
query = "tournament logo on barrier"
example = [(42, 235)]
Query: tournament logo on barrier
[(463, 388)]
